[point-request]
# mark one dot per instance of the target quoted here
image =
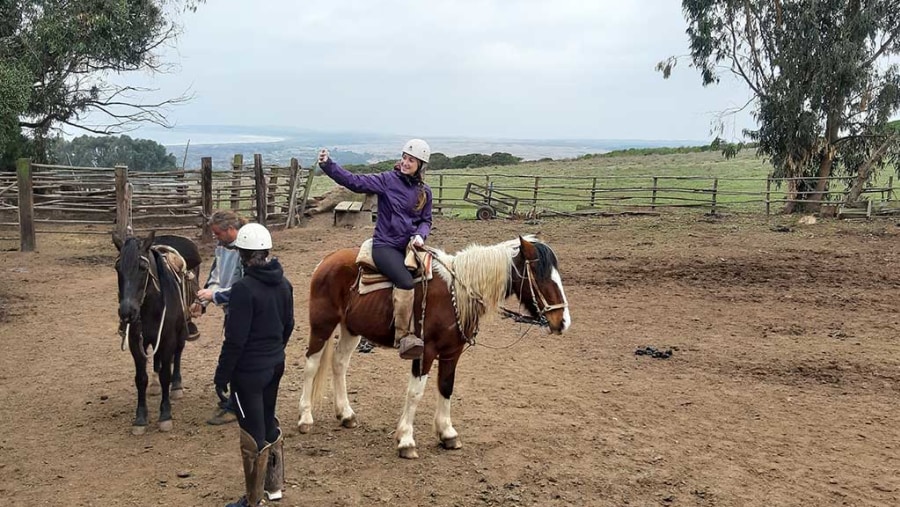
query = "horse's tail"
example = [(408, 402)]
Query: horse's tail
[(323, 373)]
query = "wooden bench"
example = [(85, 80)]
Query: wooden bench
[(862, 209), (352, 213)]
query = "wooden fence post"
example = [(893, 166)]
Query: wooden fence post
[(890, 191), (260, 189), (270, 195), (24, 180), (123, 202), (440, 198), (768, 193), (653, 197), (715, 195), (292, 193), (594, 192), (307, 184), (181, 187), (236, 166), (534, 195), (206, 202)]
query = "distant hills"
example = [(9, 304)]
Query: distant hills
[(278, 144)]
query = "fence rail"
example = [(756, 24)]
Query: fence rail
[(586, 194), (174, 200)]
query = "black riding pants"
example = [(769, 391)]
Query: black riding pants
[(389, 261), (254, 394), (227, 405)]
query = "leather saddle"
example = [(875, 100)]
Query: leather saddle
[(176, 265), (418, 262)]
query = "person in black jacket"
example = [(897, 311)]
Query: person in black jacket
[(259, 325)]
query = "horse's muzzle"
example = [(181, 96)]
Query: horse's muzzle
[(128, 311)]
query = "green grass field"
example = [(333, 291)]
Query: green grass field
[(617, 182)]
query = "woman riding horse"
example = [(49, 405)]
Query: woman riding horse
[(448, 310)]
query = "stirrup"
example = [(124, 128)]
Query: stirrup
[(193, 332), (411, 347)]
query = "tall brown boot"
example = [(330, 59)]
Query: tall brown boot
[(255, 462), (275, 469), (190, 287), (410, 345)]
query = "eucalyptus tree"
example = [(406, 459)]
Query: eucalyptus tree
[(110, 151), (823, 79), (60, 61)]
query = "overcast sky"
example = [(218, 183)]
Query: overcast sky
[(477, 68)]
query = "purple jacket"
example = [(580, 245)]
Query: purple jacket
[(397, 221)]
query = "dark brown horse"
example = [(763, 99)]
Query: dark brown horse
[(151, 306), (465, 287)]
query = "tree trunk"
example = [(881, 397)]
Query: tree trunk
[(862, 174), (791, 201), (825, 166)]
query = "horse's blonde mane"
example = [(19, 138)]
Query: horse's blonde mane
[(481, 276)]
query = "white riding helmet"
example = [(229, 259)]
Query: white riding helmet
[(253, 237), (417, 148)]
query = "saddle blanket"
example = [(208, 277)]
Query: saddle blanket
[(370, 279)]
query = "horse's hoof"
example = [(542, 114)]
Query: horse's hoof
[(451, 443), (153, 390), (177, 394), (138, 430), (350, 422), (165, 426), (304, 428), (408, 453)]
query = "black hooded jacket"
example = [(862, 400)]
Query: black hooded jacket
[(260, 321)]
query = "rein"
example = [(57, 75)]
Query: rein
[(472, 294), (537, 296)]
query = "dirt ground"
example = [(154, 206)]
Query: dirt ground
[(782, 388)]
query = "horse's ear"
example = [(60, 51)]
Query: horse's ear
[(117, 240), (527, 249), (147, 242)]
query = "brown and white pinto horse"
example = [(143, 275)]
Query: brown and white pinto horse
[(465, 287)]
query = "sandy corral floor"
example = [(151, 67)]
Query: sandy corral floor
[(783, 387)]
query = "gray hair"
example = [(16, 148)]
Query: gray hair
[(226, 219)]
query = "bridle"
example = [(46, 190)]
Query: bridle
[(154, 276), (537, 299)]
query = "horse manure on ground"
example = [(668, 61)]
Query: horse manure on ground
[(654, 353)]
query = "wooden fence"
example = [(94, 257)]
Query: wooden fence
[(116, 198), (616, 194)]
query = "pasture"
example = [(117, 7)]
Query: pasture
[(631, 182), (782, 386)]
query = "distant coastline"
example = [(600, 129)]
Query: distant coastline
[(278, 145), (213, 139)]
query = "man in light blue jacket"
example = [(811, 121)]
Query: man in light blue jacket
[(225, 271)]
